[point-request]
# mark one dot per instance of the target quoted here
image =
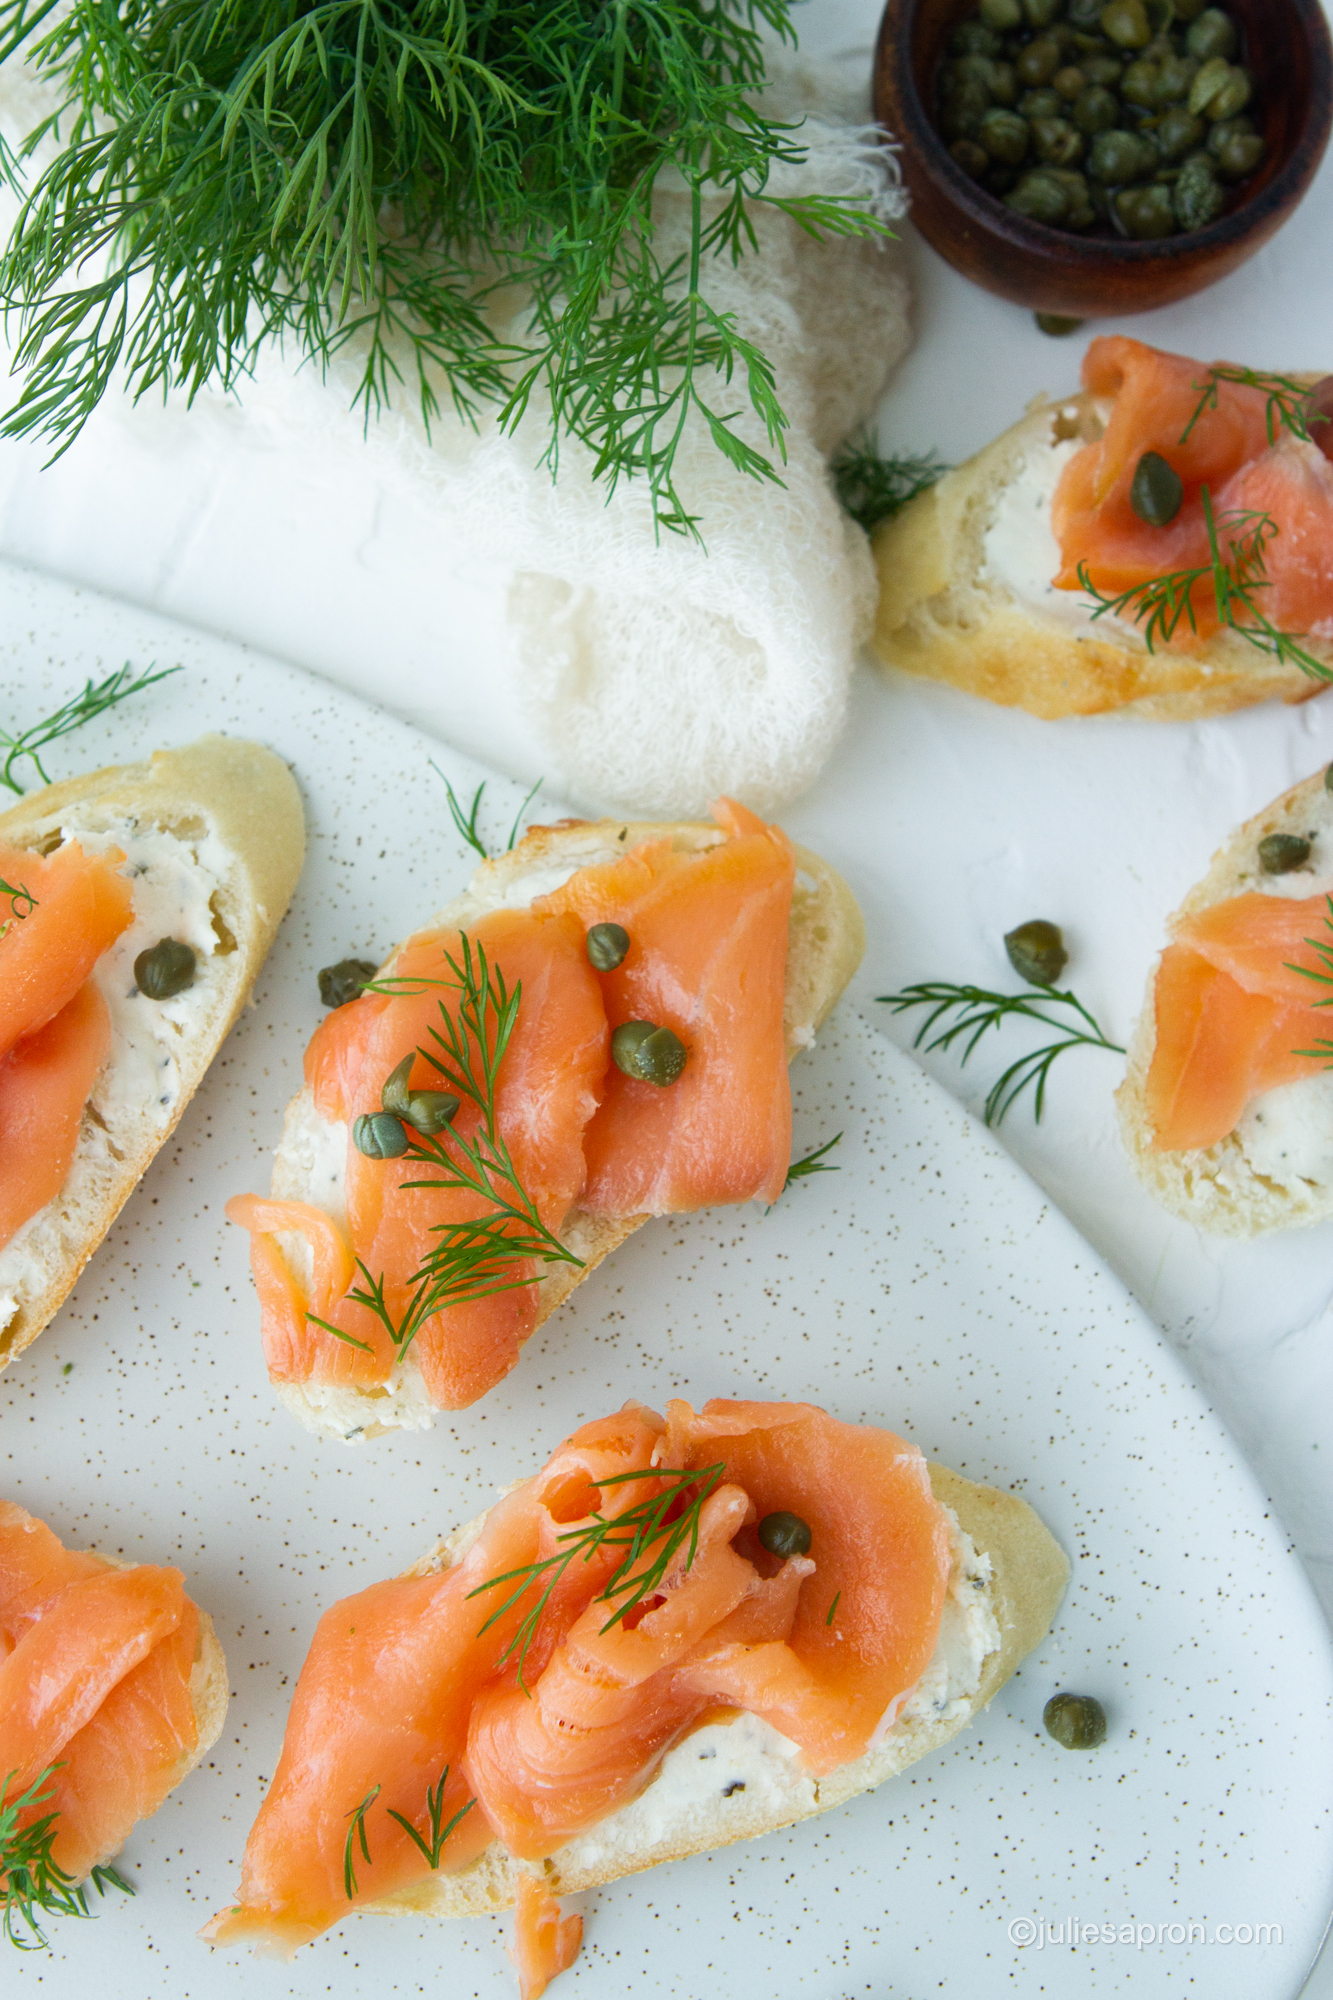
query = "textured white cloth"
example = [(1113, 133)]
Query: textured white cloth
[(657, 673)]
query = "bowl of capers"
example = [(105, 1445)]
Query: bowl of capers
[(1091, 157)]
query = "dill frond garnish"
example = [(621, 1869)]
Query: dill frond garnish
[(94, 699), (367, 175), (1288, 406), (473, 1259), (17, 893), (654, 1529), (32, 1882), (466, 822), (1160, 605), (1322, 974), (980, 1010), (833, 1608), (357, 1830), (871, 488), (813, 1163), (434, 1846)]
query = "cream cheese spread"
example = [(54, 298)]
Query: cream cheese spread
[(173, 881), (1021, 554)]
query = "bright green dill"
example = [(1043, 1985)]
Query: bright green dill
[(1287, 407), (487, 1254), (978, 1011), (94, 699), (1160, 605), (432, 1846), (1322, 974), (466, 822), (832, 1610), (17, 893), (32, 1882), (871, 488), (357, 1832), (654, 1530), (813, 1163), (367, 176)]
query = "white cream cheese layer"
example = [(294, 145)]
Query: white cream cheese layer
[(746, 1760), (1021, 554), (172, 881)]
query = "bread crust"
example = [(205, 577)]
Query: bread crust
[(826, 940), (1215, 1187), (1029, 1576), (243, 795), (942, 617)]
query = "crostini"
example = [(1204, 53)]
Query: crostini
[(684, 1631), (597, 1032), (137, 905), (112, 1688), (979, 576), (1227, 1103)]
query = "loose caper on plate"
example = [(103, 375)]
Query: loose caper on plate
[(1037, 952), (1076, 1721), (1131, 117)]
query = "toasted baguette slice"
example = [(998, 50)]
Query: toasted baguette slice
[(827, 938), (224, 819), (1008, 1569), (948, 610), (1218, 1187)]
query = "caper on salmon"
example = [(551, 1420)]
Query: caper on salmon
[(784, 1534), (1150, 100), (1280, 853), (379, 1135), (427, 1111), (343, 982), (648, 1053), (1076, 1721), (1156, 491), (1037, 952), (607, 946), (165, 969)]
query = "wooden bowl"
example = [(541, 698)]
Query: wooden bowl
[(1087, 277)]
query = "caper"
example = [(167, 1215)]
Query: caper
[(1081, 211), (964, 111), (969, 69), (974, 38), (1234, 95), (971, 157), (1101, 69), (608, 943), (1084, 13), (1001, 14), (429, 1111), (1076, 1721), (1003, 84), (1146, 213), (1037, 952), (1004, 135), (1174, 76), (784, 1534), (379, 1135), (1178, 133), (1212, 79), (1095, 110), (1040, 13), (1280, 853), (394, 1095), (1041, 104), (1069, 82), (1117, 157), (1057, 325), (1197, 198), (1328, 779), (343, 982), (1139, 84), (1038, 62), (1156, 491), (165, 969), (650, 1054), (1042, 198), (1125, 22), (1212, 34), (1055, 141), (1238, 155)]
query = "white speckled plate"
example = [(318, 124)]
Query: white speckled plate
[(928, 1285)]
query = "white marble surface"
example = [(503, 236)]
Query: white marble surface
[(954, 820)]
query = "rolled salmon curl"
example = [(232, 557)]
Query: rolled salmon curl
[(68, 909), (545, 1943)]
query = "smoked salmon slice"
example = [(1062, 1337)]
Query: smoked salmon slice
[(1235, 1016), (45, 1081), (422, 1674), (1154, 397), (95, 1667), (545, 1943)]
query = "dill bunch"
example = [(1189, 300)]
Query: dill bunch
[(370, 175)]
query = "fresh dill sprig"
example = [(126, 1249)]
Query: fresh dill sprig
[(1323, 975), (979, 1010), (832, 1610), (1161, 603), (871, 488), (31, 1879), (432, 1848), (654, 1529), (357, 1830), (94, 699), (474, 1259), (813, 1163), (18, 894), (370, 176), (466, 822), (1288, 406)]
